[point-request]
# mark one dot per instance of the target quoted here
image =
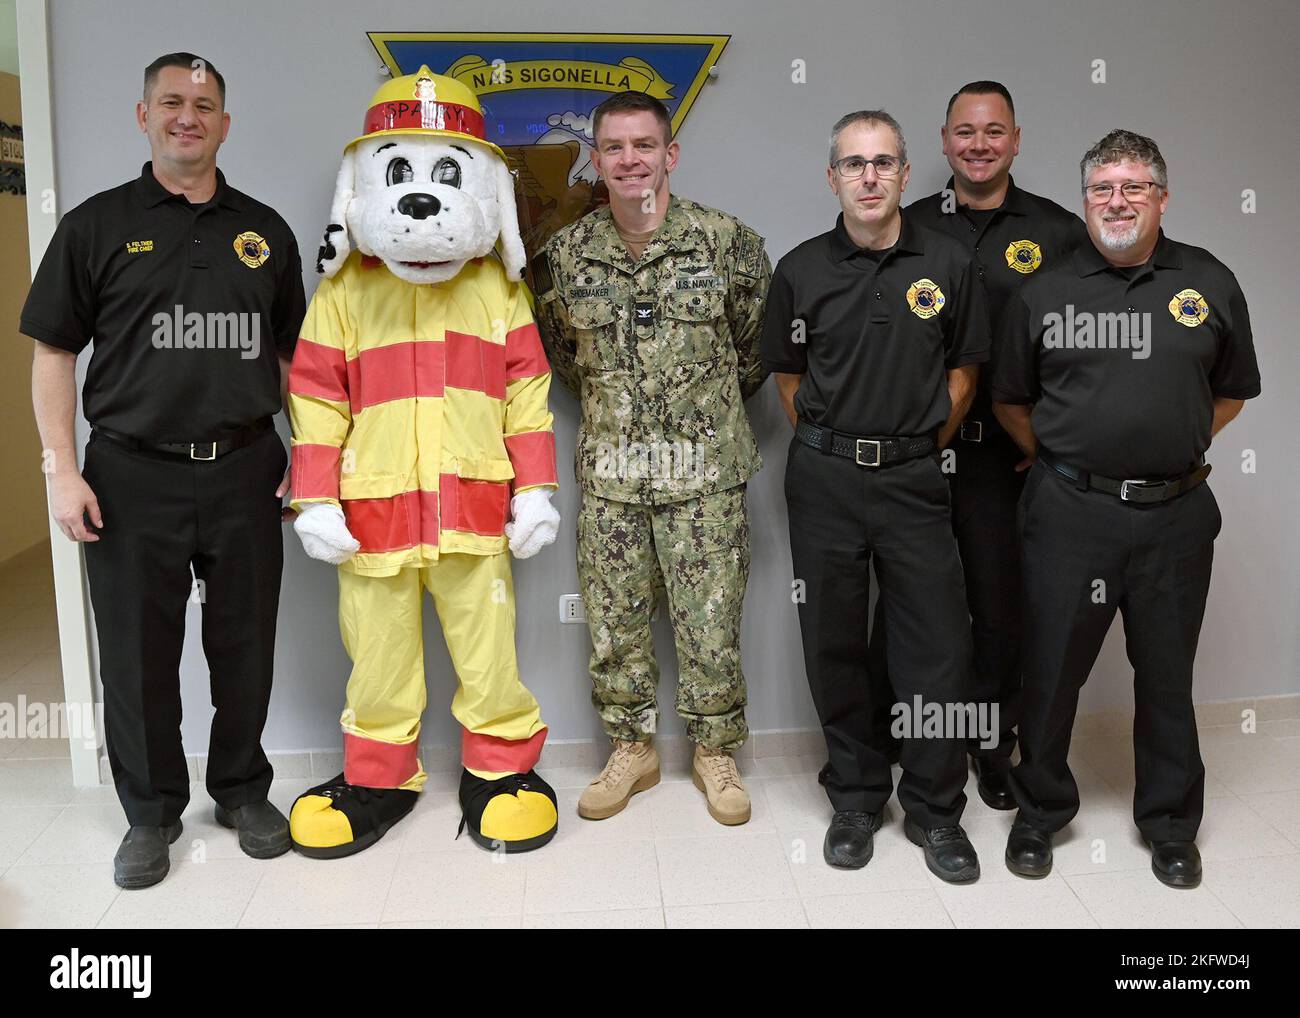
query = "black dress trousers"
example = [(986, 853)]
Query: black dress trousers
[(1086, 556), (841, 517), (167, 523), (985, 490)]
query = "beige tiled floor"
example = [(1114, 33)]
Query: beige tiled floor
[(661, 863)]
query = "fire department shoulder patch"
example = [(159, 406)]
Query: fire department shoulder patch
[(1189, 308), (925, 298), (252, 249), (1024, 256)]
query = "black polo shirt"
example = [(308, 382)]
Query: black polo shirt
[(874, 338), (1136, 409), (114, 274), (1024, 235)]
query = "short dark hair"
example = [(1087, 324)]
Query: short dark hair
[(633, 102), (982, 88), (188, 61)]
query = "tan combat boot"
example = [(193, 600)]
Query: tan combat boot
[(715, 774), (632, 767)]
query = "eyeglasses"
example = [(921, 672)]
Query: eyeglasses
[(852, 167), (1136, 192)]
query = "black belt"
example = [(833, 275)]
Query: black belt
[(226, 442), (1139, 492), (865, 452), (987, 432)]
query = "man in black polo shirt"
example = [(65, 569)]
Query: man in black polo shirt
[(875, 331), (1118, 367), (191, 293), (1011, 234)]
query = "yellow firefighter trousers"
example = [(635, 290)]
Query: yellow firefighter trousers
[(381, 622)]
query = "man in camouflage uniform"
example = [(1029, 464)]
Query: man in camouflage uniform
[(651, 310)]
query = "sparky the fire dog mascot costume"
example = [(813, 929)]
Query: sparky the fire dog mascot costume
[(422, 448)]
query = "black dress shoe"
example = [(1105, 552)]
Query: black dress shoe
[(1029, 851), (848, 843), (993, 779), (1176, 863), (948, 852), (263, 829), (142, 858)]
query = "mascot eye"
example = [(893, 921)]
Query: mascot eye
[(399, 172), (446, 171)]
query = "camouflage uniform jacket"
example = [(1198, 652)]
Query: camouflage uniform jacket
[(661, 352)]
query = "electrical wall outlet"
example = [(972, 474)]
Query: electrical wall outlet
[(572, 609)]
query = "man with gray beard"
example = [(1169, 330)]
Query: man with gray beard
[(1115, 513)]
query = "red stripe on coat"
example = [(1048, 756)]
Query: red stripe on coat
[(315, 472), (474, 507), (532, 454), (318, 370), (475, 364), (393, 524), (525, 356), (397, 371), (414, 517)]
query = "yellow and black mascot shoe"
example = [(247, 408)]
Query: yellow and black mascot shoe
[(516, 813), (337, 819)]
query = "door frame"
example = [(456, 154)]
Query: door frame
[(70, 591)]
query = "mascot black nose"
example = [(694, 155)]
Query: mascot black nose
[(418, 206)]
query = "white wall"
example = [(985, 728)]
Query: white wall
[(1213, 83)]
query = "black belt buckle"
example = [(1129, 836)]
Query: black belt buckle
[(210, 447), (972, 431), (857, 452), (1128, 490)]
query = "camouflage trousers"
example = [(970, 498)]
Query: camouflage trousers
[(696, 551)]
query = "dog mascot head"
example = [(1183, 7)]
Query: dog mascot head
[(422, 188)]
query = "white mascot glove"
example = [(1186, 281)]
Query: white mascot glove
[(534, 522), (324, 535)]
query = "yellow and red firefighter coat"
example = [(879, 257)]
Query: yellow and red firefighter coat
[(421, 409)]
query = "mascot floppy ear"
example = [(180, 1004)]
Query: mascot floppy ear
[(336, 247), (512, 244)]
